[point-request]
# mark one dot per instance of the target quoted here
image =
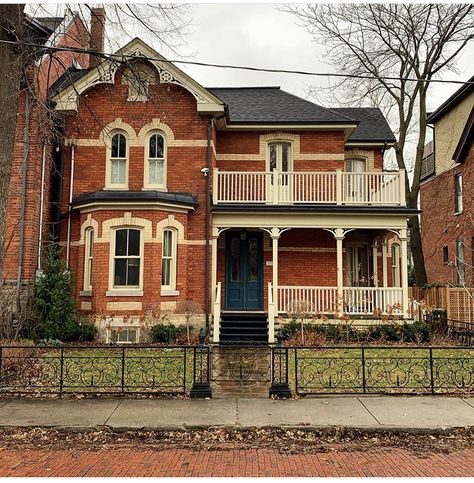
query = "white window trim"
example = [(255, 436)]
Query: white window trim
[(109, 334), (88, 259), (174, 255), (125, 291), (279, 154), (146, 170), (396, 265), (461, 203), (108, 167), (356, 158)]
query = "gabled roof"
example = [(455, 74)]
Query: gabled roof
[(267, 105), (67, 98), (372, 126), (451, 102), (466, 140)]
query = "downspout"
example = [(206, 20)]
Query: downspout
[(71, 184), (208, 217), (26, 142), (40, 231)]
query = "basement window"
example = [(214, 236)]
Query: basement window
[(123, 335)]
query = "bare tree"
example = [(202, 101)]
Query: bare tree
[(382, 46), (190, 310)]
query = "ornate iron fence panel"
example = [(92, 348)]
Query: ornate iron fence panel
[(373, 370), (104, 370), (240, 366)]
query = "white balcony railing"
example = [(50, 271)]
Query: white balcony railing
[(337, 187), (356, 300)]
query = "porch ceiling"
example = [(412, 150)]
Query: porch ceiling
[(377, 221)]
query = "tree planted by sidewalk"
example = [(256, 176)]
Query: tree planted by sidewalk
[(382, 47)]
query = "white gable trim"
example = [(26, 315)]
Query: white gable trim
[(104, 73)]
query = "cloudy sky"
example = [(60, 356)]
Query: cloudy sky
[(258, 35)]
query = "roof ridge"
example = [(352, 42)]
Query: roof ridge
[(246, 87)]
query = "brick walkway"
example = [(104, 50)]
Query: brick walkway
[(261, 462)]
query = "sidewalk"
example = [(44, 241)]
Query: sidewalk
[(413, 413)]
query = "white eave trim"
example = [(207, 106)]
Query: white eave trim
[(290, 127), (122, 205), (369, 143)]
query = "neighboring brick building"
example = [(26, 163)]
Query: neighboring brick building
[(243, 200), (30, 186), (447, 191)]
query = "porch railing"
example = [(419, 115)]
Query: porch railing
[(326, 187), (356, 300)]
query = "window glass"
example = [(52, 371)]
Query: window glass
[(445, 255), (156, 161), (127, 258), (458, 193), (156, 146), (273, 156), (460, 261), (118, 146), (253, 255), (168, 263)]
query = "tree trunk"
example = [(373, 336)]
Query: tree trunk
[(11, 27)]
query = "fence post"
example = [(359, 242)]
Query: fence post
[(123, 371), (431, 371), (61, 373), (363, 371), (279, 365), (201, 370)]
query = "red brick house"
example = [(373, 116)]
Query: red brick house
[(31, 194), (447, 191), (247, 201)]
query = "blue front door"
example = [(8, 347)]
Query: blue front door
[(244, 271)]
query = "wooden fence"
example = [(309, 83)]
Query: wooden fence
[(458, 302)]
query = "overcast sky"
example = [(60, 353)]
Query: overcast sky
[(257, 35), (261, 35)]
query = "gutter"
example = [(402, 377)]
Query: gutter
[(26, 143), (207, 222)]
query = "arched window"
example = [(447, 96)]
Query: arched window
[(155, 163), (396, 265), (118, 162), (88, 258), (168, 260)]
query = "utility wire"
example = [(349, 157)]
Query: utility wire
[(122, 57)]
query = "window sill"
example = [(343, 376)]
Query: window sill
[(85, 293), (155, 188), (169, 293), (124, 293), (116, 188)]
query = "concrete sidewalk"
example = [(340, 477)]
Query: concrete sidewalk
[(368, 412)]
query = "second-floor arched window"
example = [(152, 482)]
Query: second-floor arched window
[(118, 161), (155, 162)]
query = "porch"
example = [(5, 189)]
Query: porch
[(329, 273)]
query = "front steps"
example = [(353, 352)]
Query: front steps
[(243, 328)]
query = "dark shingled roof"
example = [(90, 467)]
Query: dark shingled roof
[(51, 23), (69, 76), (184, 199), (372, 124), (268, 105)]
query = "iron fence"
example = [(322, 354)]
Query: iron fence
[(372, 370), (166, 370)]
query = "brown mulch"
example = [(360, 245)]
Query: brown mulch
[(290, 441)]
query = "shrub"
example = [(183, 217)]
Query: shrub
[(54, 302), (86, 333), (166, 333), (49, 343)]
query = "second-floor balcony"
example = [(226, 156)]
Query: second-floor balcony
[(381, 188)]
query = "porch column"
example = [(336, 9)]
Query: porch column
[(339, 236), (384, 264), (404, 262), (215, 238), (275, 234), (375, 264)]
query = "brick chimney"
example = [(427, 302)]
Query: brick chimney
[(97, 35)]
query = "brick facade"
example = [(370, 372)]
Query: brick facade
[(441, 227)]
